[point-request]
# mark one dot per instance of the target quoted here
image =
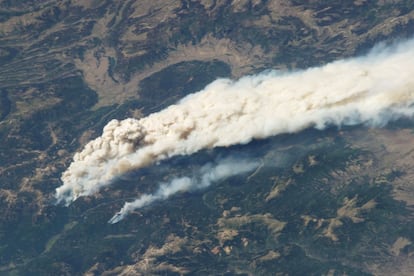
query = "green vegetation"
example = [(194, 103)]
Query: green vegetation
[(336, 213)]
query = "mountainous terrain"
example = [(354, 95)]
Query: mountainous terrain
[(328, 202)]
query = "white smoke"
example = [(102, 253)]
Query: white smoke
[(368, 90), (204, 178)]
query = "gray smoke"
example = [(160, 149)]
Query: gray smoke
[(202, 179)]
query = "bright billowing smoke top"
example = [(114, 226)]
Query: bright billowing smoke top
[(371, 90)]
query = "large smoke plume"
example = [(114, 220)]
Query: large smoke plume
[(371, 90)]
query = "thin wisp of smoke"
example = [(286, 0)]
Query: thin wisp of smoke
[(207, 175), (371, 90)]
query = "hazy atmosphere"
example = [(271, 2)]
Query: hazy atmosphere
[(204, 137)]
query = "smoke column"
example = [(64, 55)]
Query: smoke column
[(371, 90), (207, 175)]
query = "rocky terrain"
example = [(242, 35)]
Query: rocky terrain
[(67, 67)]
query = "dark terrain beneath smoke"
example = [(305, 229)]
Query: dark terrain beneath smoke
[(307, 195)]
